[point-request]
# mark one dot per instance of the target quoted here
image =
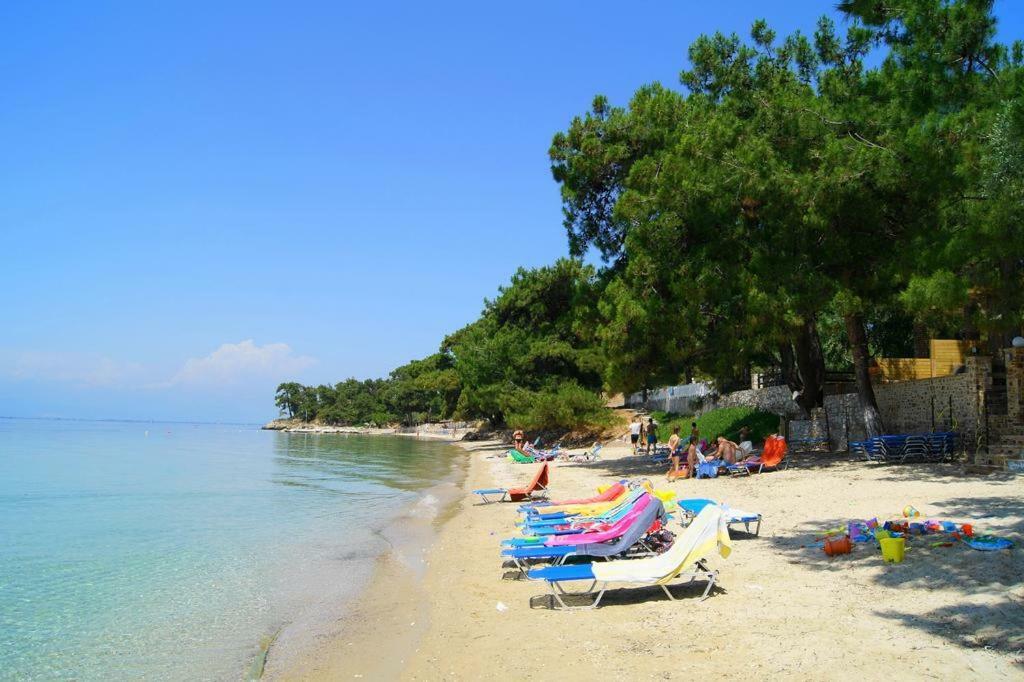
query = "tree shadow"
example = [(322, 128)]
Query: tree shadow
[(631, 596), (941, 473), (989, 586)]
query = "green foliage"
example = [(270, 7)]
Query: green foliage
[(569, 406), (534, 338), (726, 421)]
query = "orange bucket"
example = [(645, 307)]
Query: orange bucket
[(835, 546)]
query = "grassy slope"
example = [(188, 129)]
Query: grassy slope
[(726, 421)]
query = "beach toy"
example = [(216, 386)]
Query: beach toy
[(893, 549), (948, 526), (916, 529), (944, 543), (988, 543), (602, 488), (910, 513), (665, 495), (967, 529), (835, 546)]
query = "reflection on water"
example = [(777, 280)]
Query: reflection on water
[(166, 551)]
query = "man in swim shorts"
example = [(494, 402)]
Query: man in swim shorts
[(652, 435), (634, 432)]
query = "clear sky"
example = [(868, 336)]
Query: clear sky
[(202, 199)]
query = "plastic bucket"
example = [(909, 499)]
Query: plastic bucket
[(892, 549), (840, 545)]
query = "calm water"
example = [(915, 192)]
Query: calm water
[(167, 551)]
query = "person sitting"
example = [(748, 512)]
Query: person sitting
[(725, 450), (519, 441)]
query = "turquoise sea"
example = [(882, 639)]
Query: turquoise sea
[(133, 550)]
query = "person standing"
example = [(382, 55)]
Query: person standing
[(675, 450), (652, 435), (635, 430)]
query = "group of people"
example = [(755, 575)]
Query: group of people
[(685, 455), (685, 459), (640, 433)]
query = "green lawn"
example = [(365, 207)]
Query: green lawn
[(726, 421)]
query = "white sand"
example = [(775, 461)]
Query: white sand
[(783, 610)]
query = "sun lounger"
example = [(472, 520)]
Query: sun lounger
[(610, 493), (619, 539), (538, 486), (692, 507), (685, 559), (591, 455), (609, 512)]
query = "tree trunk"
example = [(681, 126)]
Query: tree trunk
[(922, 338), (790, 373), (787, 364), (858, 338), (811, 363)]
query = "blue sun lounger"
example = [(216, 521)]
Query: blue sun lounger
[(630, 537), (692, 507)]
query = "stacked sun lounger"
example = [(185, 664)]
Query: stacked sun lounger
[(906, 448), (623, 527)]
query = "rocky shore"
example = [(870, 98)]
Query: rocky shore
[(443, 430)]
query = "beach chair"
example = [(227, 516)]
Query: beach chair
[(773, 457), (647, 514), (693, 506), (519, 457), (684, 560), (591, 455), (537, 487)]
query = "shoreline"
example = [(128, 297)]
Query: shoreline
[(388, 607), (437, 431)]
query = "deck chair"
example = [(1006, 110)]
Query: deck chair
[(685, 559), (647, 513), (537, 487), (773, 457), (591, 455), (693, 506)]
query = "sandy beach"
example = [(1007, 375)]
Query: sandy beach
[(782, 609)]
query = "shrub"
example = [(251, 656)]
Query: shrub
[(570, 407)]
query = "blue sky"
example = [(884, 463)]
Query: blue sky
[(203, 199)]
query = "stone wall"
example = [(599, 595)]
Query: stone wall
[(954, 402), (774, 399)]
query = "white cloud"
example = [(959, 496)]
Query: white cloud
[(234, 363), (83, 369)]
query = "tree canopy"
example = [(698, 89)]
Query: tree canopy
[(800, 203)]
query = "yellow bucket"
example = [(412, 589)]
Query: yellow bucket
[(892, 549), (602, 488), (665, 495)]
